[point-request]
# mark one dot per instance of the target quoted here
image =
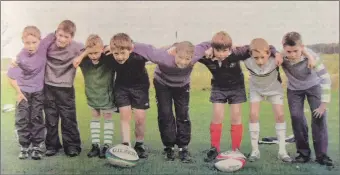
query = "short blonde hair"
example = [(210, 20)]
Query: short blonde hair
[(93, 40), (259, 45), (31, 30), (121, 41), (185, 47), (67, 26), (221, 40)]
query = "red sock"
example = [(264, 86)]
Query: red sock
[(236, 136), (215, 135)]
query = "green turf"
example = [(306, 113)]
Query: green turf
[(200, 113)]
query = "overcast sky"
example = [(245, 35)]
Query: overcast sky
[(157, 22)]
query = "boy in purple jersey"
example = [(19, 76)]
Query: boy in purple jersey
[(313, 84), (27, 78), (172, 84)]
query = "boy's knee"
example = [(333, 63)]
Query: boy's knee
[(140, 120), (95, 113), (254, 117), (280, 118), (107, 116), (236, 120), (217, 118), (236, 117)]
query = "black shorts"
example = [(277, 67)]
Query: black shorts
[(228, 96), (137, 97)]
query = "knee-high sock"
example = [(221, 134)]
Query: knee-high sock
[(236, 136), (215, 135)]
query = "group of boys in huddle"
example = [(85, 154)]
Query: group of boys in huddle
[(115, 76)]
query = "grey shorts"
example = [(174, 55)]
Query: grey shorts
[(228, 96), (274, 99), (105, 111)]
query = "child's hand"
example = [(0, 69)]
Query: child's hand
[(320, 110), (14, 63), (311, 63), (209, 53), (107, 50), (172, 51), (311, 59), (79, 59), (21, 97), (76, 62), (278, 59)]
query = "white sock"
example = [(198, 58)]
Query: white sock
[(108, 132), (140, 140), (95, 131), (281, 136), (254, 129)]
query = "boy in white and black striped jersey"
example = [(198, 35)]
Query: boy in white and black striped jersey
[(315, 84)]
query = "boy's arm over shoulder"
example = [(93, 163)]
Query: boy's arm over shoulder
[(80, 58), (200, 50), (79, 48), (151, 53), (48, 40), (204, 60), (241, 53), (273, 51), (326, 82)]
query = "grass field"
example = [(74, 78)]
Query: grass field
[(200, 113)]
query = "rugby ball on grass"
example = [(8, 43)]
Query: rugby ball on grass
[(230, 164), (122, 156), (230, 154)]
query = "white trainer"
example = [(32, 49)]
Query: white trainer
[(284, 157), (254, 155)]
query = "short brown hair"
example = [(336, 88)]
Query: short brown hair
[(221, 40), (121, 41), (67, 26), (93, 40), (31, 30), (185, 47), (292, 39), (258, 45)]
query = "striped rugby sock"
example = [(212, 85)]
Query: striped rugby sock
[(108, 132), (95, 131)]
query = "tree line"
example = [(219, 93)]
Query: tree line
[(323, 48)]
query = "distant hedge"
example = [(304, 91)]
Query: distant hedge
[(325, 48)]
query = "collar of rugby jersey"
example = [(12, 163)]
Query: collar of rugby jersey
[(292, 62), (216, 59)]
